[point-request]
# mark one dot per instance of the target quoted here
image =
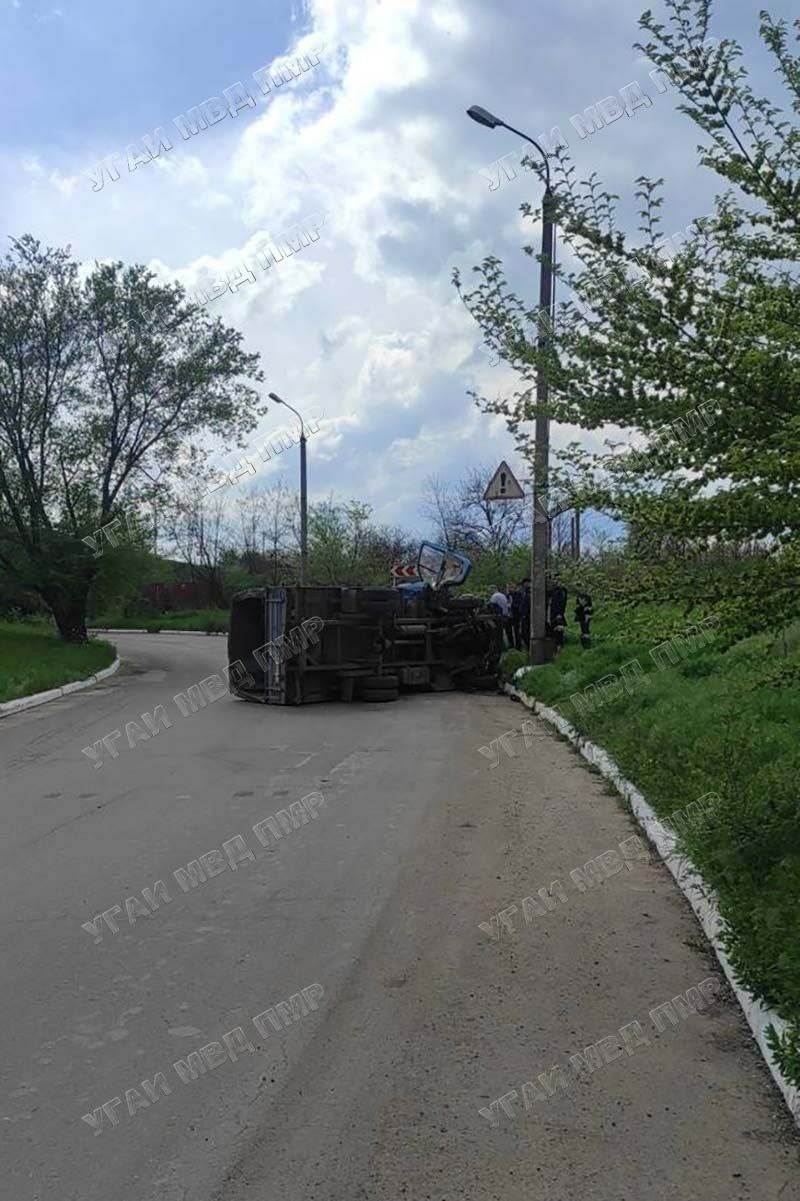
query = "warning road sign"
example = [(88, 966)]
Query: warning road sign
[(405, 571), (503, 485)]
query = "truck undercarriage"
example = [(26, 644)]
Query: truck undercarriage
[(302, 645)]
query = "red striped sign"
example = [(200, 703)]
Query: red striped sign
[(405, 571)]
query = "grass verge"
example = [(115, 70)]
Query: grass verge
[(210, 621), (34, 659), (711, 723)]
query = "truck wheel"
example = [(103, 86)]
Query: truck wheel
[(481, 683), (380, 695), (381, 683)]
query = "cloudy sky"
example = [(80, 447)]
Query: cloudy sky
[(364, 325)]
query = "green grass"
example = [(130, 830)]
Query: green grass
[(511, 662), (207, 620), (33, 659), (711, 724)]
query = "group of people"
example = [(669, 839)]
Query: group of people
[(514, 606)]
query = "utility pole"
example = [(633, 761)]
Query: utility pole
[(541, 460), (538, 647)]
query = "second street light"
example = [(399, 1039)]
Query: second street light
[(539, 652), (303, 489)]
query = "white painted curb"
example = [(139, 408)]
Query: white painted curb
[(41, 698), (108, 630), (200, 633), (699, 895)]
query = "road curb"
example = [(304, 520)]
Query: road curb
[(202, 633), (53, 694), (698, 893)]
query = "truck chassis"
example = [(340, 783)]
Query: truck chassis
[(302, 645)]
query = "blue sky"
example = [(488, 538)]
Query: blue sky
[(115, 69), (364, 325)]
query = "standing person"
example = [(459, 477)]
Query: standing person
[(526, 613), (583, 615), (557, 612), (510, 592), (499, 602), (517, 614)]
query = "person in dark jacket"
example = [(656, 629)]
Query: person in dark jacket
[(513, 594), (583, 615), (524, 611), (557, 621)]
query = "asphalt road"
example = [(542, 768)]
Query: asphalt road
[(422, 1018)]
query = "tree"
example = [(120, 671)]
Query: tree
[(266, 516), (439, 505), (101, 407), (345, 548), (337, 535), (466, 522), (695, 353), (492, 526), (389, 545), (200, 531)]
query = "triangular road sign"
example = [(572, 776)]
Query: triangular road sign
[(503, 485)]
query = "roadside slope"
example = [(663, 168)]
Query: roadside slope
[(34, 659), (692, 722)]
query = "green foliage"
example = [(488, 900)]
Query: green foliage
[(510, 662), (239, 579), (215, 624), (207, 620), (34, 659), (17, 602), (107, 384), (490, 568), (345, 548), (122, 572), (693, 350)]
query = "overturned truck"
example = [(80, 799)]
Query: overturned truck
[(295, 646)]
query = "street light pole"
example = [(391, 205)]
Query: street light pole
[(303, 508), (541, 459), (303, 490)]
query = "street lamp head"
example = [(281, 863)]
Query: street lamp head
[(483, 116), (274, 396)]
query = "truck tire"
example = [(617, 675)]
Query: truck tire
[(380, 695), (379, 683), (480, 683)]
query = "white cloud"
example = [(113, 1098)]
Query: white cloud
[(365, 323)]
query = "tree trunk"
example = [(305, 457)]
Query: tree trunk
[(71, 621), (69, 612), (216, 588)]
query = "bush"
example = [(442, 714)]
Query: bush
[(208, 620), (510, 662), (214, 625)]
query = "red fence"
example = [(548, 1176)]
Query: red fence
[(163, 597)]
